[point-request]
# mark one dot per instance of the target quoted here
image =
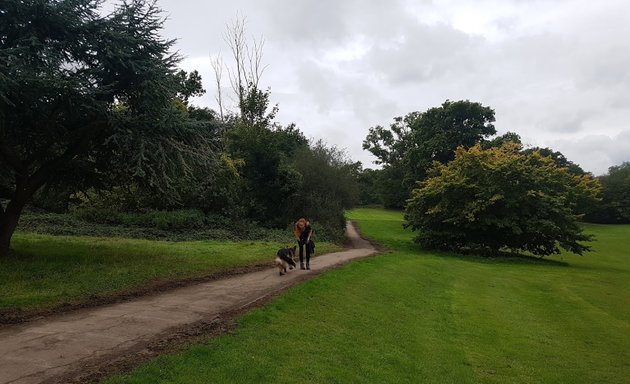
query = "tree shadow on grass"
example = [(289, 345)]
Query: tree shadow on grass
[(512, 258), (496, 258)]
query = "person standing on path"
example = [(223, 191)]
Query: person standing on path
[(303, 232)]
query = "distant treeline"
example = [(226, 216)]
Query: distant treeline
[(408, 149)]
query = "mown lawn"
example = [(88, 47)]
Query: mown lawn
[(48, 271), (411, 316)]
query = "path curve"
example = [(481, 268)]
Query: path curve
[(48, 349)]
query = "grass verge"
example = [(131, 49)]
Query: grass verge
[(48, 272)]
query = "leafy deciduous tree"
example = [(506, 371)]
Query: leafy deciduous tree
[(268, 177), (500, 199), (369, 181), (410, 145), (498, 141), (614, 207), (559, 159), (328, 187)]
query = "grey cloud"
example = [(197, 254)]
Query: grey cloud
[(333, 91), (427, 52), (320, 84), (597, 152), (557, 73), (327, 23)]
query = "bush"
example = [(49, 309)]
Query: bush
[(330, 187), (500, 199), (165, 220), (160, 225), (175, 220), (98, 215)]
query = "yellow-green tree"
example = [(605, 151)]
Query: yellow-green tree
[(500, 199)]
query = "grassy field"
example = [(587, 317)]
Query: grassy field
[(411, 316), (48, 271)]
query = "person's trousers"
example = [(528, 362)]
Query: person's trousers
[(308, 253)]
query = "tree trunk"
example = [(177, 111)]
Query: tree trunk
[(8, 223)]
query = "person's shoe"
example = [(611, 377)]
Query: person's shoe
[(302, 266), (308, 267)]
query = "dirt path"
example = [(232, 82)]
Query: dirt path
[(89, 343)]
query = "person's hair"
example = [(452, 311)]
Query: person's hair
[(297, 229)]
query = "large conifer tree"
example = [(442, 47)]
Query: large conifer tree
[(78, 90)]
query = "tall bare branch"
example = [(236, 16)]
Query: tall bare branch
[(217, 66), (235, 38), (248, 65), (254, 57)]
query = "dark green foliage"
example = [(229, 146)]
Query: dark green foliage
[(179, 225), (268, 178), (411, 144), (220, 192), (189, 85), (174, 220), (614, 207), (54, 197), (393, 188), (368, 182), (83, 91), (382, 187), (254, 107), (210, 189), (392, 147), (95, 115), (203, 114), (161, 159), (439, 131), (500, 199), (283, 178), (509, 137), (329, 187)]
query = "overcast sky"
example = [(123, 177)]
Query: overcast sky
[(557, 72)]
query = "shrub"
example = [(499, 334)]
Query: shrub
[(99, 215), (175, 220), (172, 226), (500, 199)]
